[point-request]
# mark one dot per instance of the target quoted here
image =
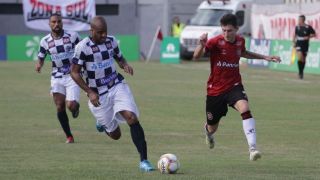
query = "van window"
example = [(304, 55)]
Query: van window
[(240, 17), (208, 17)]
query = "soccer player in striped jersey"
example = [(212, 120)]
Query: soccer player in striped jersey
[(60, 44), (224, 85), (110, 99)]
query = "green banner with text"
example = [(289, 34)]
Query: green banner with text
[(287, 53), (25, 47)]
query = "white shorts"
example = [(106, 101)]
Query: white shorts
[(66, 86), (119, 98)]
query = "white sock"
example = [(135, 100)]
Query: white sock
[(249, 128)]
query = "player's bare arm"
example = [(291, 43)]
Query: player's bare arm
[(252, 55), (75, 74), (199, 51), (122, 62), (39, 65)]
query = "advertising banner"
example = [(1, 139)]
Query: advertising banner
[(25, 47), (285, 50), (129, 46), (170, 50), (279, 21), (76, 14), (3, 48), (260, 46)]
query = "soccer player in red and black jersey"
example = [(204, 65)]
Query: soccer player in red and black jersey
[(302, 34), (224, 86)]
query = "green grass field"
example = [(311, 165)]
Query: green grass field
[(171, 100)]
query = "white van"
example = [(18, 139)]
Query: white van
[(207, 19)]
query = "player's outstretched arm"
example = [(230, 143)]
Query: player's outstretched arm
[(252, 55), (199, 51)]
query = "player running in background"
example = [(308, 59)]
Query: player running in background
[(224, 85), (110, 98), (302, 34), (60, 44)]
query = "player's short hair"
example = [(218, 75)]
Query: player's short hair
[(58, 14), (229, 19), (303, 17)]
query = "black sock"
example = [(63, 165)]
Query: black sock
[(138, 139), (300, 67), (64, 121)]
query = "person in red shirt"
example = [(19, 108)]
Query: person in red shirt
[(224, 86)]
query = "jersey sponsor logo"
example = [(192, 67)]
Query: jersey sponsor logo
[(61, 56), (226, 64), (66, 40), (95, 49), (101, 65), (51, 44), (108, 80), (64, 69)]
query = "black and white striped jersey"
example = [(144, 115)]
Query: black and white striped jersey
[(60, 50), (98, 62)]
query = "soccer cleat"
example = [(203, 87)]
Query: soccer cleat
[(99, 127), (209, 138), (146, 166), (75, 113), (254, 155), (70, 140)]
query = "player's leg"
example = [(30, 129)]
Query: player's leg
[(301, 63), (72, 97), (215, 109), (249, 128), (126, 110), (59, 100), (138, 138), (238, 99)]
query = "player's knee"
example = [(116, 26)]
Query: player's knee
[(61, 107), (212, 119), (115, 136), (246, 115), (130, 117)]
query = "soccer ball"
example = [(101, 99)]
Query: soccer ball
[(168, 164)]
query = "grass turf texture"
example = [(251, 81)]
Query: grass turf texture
[(171, 100)]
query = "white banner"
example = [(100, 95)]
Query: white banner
[(76, 14), (279, 21)]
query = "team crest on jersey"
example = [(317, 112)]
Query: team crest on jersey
[(209, 116), (95, 49), (66, 40), (51, 44), (223, 51), (222, 42), (109, 45)]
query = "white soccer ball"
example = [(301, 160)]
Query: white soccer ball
[(168, 164)]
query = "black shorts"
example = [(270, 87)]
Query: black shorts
[(303, 47), (217, 106)]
